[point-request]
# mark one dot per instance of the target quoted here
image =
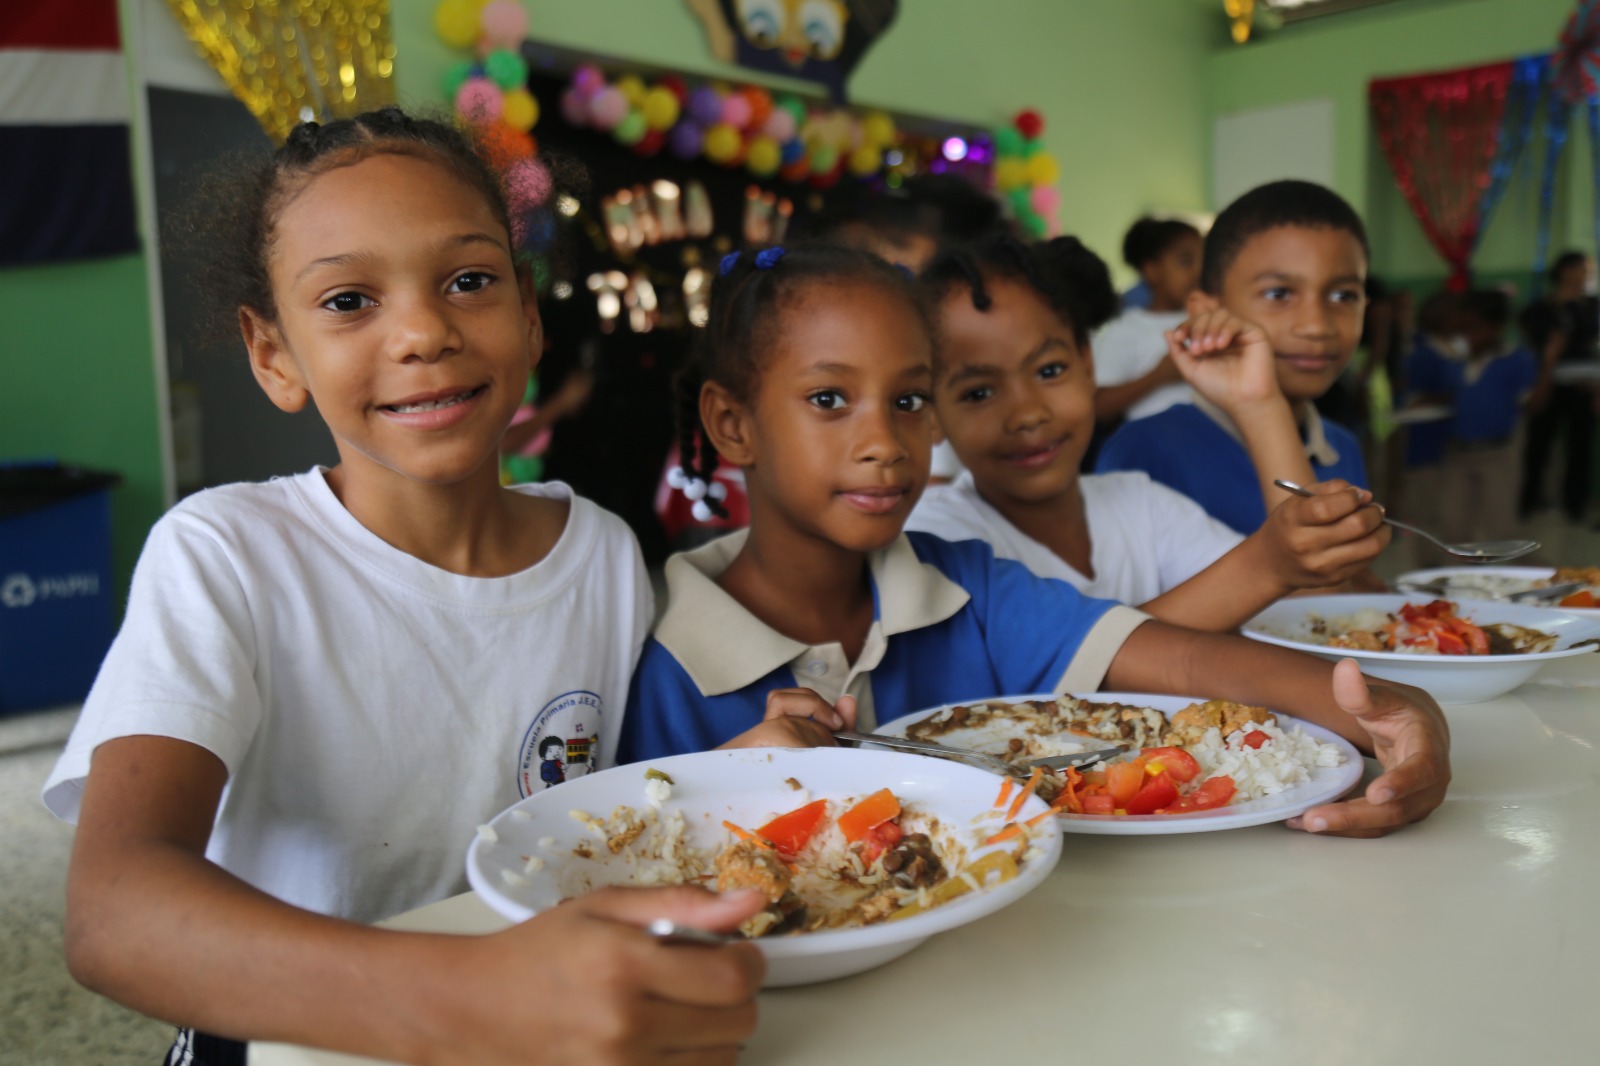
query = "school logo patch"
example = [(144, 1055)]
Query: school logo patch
[(562, 743)]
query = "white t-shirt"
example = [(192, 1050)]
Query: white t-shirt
[(1129, 347), (371, 709), (1145, 538)]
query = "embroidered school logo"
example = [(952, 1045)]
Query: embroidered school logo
[(562, 743), (18, 591)]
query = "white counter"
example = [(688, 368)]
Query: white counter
[(1473, 937)]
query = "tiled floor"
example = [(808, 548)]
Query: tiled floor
[(46, 1018)]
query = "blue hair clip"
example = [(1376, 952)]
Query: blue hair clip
[(768, 258), (727, 264)]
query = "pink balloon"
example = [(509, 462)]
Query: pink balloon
[(608, 108), (588, 80), (480, 100), (736, 111), (780, 125), (575, 107), (1045, 199), (528, 184), (504, 22)]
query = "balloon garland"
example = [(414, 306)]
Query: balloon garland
[(772, 136)]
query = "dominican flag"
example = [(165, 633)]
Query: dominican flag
[(66, 175)]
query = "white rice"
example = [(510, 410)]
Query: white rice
[(656, 791), (1286, 760)]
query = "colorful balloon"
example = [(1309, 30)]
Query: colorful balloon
[(675, 85), (506, 68), (1029, 123), (575, 107), (608, 108), (822, 156), (660, 108), (722, 143), (479, 100), (504, 22), (502, 146), (456, 22), (686, 140), (794, 152), (528, 184), (1045, 199), (878, 129), (1007, 141), (705, 106), (631, 129), (651, 143), (764, 156), (588, 80), (520, 110), (760, 104), (1043, 169), (795, 107), (1010, 173), (632, 87), (780, 126), (736, 111), (866, 160), (797, 170), (454, 75)]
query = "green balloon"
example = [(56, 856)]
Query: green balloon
[(1032, 222), (454, 76), (506, 69), (793, 105), (1031, 148), (1007, 141), (1021, 200), (631, 130)]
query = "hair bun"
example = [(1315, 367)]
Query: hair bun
[(1086, 276)]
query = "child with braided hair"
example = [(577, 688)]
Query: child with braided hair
[(816, 373)]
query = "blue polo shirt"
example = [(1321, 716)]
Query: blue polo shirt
[(1486, 395), (950, 623), (1194, 449)]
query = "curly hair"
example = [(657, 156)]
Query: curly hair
[(1071, 279)]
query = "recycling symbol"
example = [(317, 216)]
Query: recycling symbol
[(18, 591)]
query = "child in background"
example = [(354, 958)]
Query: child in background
[(1568, 321), (308, 666), (1487, 392), (1014, 393), (528, 437), (817, 366), (1135, 375), (1277, 316)]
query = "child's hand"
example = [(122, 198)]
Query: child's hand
[(1227, 360), (1314, 543), (1412, 742), (635, 999), (797, 718)]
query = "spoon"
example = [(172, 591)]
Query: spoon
[(992, 763), (1483, 551)]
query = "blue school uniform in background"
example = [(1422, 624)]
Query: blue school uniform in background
[(1486, 395), (1193, 448), (950, 623)]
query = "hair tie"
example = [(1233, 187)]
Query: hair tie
[(768, 258), (727, 264), (910, 274)]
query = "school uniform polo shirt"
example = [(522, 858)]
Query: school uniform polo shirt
[(950, 623), (1486, 394), (1197, 450)]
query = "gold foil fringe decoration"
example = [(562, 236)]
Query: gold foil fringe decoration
[(292, 61)]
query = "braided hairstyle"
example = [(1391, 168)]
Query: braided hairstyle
[(1071, 279), (228, 229), (749, 298)]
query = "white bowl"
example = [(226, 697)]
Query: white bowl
[(748, 787), (1450, 678), (1524, 576)]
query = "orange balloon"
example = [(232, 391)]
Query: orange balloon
[(760, 105), (501, 145)]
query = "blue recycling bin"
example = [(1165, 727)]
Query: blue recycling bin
[(56, 611)]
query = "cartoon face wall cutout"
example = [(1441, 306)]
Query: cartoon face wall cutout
[(816, 40)]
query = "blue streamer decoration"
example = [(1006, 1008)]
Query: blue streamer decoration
[(1558, 115), (1529, 80)]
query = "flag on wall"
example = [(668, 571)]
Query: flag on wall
[(66, 177)]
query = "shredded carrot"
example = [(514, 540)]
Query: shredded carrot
[(1039, 819), (744, 834), (1005, 792), (1027, 790), (1012, 829)]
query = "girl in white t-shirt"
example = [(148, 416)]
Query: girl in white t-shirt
[(326, 682), (1135, 376), (1014, 391)]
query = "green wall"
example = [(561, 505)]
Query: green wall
[(1118, 83), (81, 384), (1335, 58)]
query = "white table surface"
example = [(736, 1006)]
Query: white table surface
[(1473, 937)]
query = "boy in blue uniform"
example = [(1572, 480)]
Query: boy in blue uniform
[(1275, 321), (1488, 391)]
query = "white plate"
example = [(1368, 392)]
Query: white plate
[(1413, 416), (1576, 373), (747, 787), (1527, 575), (1327, 783), (1450, 678)]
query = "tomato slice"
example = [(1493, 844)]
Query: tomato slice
[(1583, 599), (1255, 738), (872, 811), (879, 839), (1213, 792), (788, 833), (1156, 792), (1175, 761), (1123, 781), (1099, 803)]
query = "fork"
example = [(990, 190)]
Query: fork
[(992, 763)]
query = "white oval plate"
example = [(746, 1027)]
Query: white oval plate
[(1449, 678), (748, 787), (1327, 783), (1524, 575)]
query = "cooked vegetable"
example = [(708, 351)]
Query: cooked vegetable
[(868, 814), (789, 833), (975, 875)]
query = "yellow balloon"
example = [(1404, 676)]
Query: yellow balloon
[(632, 88), (721, 143), (456, 22), (1010, 173), (764, 157), (866, 160), (660, 109), (878, 129), (1043, 169), (520, 110)]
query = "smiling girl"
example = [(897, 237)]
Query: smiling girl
[(325, 683), (815, 377), (1015, 395)]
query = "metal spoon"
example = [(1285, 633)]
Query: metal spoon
[(992, 763), (1482, 551)]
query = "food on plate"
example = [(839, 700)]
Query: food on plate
[(1435, 628), (1208, 755), (826, 864), (1502, 586), (1585, 598)]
